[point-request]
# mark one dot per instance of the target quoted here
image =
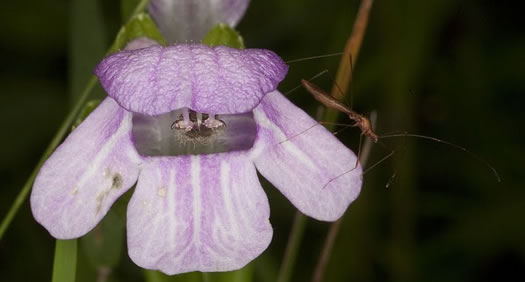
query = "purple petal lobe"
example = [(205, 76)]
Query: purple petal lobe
[(309, 166), (190, 20), (217, 80), (198, 213), (84, 176)]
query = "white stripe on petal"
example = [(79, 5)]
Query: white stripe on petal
[(218, 220), (84, 176), (290, 147), (197, 207), (227, 195)]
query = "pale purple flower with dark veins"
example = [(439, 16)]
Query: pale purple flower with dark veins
[(190, 20), (191, 124)]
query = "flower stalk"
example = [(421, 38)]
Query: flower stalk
[(65, 262)]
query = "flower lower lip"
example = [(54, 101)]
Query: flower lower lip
[(163, 135)]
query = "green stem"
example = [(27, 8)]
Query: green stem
[(292, 248), (65, 264), (64, 128), (206, 277)]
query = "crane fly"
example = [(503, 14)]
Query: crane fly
[(366, 129)]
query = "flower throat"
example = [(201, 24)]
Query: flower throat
[(187, 132)]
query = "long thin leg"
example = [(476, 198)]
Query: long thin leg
[(301, 132), (378, 162), (320, 123), (311, 79), (458, 147), (340, 175), (391, 179)]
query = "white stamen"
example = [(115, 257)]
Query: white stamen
[(213, 123), (185, 115), (199, 119), (185, 123)]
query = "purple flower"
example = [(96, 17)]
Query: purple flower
[(190, 20), (191, 124)]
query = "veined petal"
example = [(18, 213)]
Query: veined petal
[(190, 20), (84, 176), (217, 80), (307, 168), (200, 212)]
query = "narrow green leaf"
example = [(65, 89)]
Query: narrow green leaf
[(222, 34), (157, 276), (65, 263)]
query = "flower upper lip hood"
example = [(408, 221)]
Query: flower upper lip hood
[(160, 79)]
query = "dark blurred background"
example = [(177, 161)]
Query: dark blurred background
[(444, 68)]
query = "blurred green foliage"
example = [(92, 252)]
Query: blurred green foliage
[(444, 68), (222, 34)]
